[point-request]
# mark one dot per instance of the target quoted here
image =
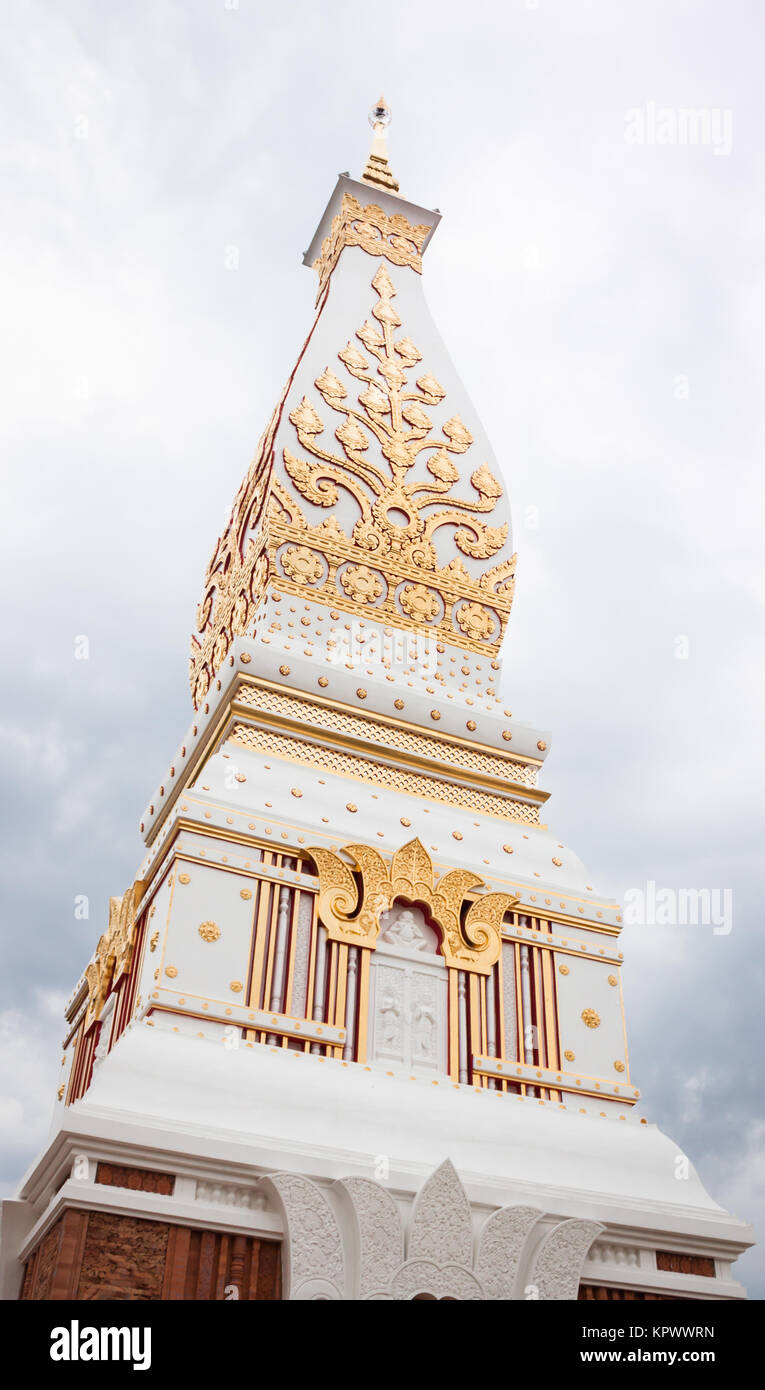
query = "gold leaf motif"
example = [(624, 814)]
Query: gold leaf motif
[(331, 387), (352, 437), (305, 418), (483, 481), (442, 468), (430, 389)]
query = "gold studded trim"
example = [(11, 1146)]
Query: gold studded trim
[(465, 757)]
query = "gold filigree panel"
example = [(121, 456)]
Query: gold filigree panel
[(236, 575), (351, 900), (381, 775), (464, 757)]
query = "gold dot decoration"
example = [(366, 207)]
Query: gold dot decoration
[(245, 658), (184, 878), (235, 986), (209, 931), (557, 862), (507, 735), (361, 692), (471, 725), (171, 972), (61, 1090), (323, 682), (284, 670), (541, 745), (456, 834), (351, 806), (295, 791), (563, 969), (570, 1056), (405, 821), (398, 704), (239, 777), (590, 1018), (435, 714), (153, 941), (508, 849), (618, 1066), (246, 894)]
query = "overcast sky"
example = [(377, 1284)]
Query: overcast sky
[(603, 302)]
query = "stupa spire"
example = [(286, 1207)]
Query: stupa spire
[(378, 170)]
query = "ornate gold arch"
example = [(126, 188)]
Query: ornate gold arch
[(351, 900)]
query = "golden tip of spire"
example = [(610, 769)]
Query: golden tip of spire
[(377, 171), (380, 115)]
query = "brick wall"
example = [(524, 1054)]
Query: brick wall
[(101, 1255)]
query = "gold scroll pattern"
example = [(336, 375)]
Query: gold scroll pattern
[(379, 233), (351, 899), (114, 952)]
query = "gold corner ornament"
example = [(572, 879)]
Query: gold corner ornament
[(352, 898), (114, 952), (378, 233)]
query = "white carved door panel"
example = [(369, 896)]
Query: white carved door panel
[(408, 995)]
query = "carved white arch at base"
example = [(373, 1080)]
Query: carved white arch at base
[(313, 1262), (440, 1281), (442, 1227), (557, 1268), (501, 1245), (379, 1235)]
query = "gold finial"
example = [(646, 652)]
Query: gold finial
[(377, 169)]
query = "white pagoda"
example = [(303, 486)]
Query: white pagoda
[(356, 1030)]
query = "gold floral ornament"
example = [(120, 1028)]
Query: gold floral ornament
[(352, 897), (209, 931), (114, 952), (361, 583), (590, 1018), (385, 434), (475, 621), (420, 603), (302, 565)]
